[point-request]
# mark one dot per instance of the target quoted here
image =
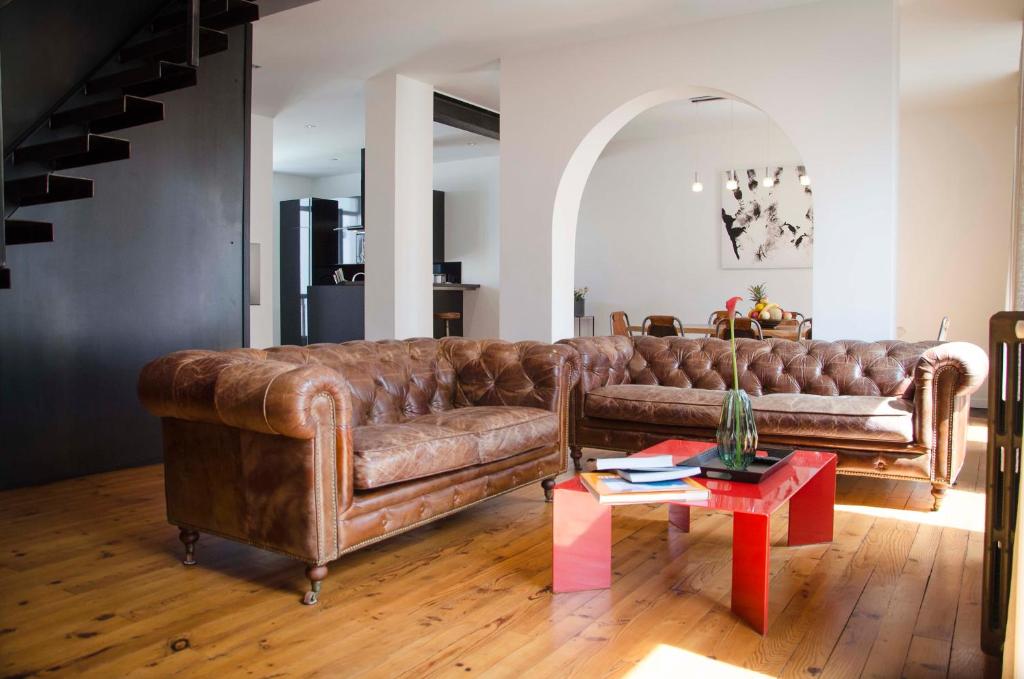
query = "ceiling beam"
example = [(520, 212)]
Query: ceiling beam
[(466, 116)]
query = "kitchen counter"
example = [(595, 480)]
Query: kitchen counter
[(437, 286)]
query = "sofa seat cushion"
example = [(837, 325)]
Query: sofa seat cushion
[(500, 431), (865, 418), (447, 441), (654, 404), (870, 418), (391, 453)]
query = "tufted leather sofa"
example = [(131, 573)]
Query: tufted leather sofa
[(888, 409), (317, 451)]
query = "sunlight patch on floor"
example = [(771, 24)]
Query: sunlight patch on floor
[(977, 433), (961, 509), (669, 661)]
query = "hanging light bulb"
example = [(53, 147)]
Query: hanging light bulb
[(731, 184), (696, 186), (805, 180), (767, 181)]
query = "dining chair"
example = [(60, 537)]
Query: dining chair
[(663, 326), (744, 326), (943, 328), (717, 316), (804, 329), (620, 323)]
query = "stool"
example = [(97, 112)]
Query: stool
[(447, 317)]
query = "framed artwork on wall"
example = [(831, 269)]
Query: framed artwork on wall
[(767, 227)]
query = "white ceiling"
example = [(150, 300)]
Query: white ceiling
[(314, 59)]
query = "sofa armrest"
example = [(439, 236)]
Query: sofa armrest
[(241, 390), (944, 379), (254, 449)]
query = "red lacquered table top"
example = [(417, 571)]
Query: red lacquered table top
[(750, 498)]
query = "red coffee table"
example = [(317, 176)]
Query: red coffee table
[(582, 527)]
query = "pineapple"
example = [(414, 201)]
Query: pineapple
[(759, 296)]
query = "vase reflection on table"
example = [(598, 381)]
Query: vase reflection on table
[(737, 433)]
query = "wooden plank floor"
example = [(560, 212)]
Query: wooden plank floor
[(92, 584)]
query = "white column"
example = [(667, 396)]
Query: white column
[(399, 207), (261, 230)]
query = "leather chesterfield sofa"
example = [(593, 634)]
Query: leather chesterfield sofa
[(317, 451), (889, 409)]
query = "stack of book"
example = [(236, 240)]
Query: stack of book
[(623, 480)]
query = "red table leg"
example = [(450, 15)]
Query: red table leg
[(582, 532), (812, 508), (750, 548), (679, 516)]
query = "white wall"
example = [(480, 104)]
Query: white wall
[(826, 72), (262, 317), (646, 244), (336, 186), (956, 179), (471, 236), (286, 187)]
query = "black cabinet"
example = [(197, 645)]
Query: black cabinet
[(310, 252), (438, 226)]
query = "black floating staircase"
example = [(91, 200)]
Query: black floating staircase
[(163, 56)]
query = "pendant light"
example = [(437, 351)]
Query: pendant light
[(768, 180), (697, 186), (805, 179), (731, 184)]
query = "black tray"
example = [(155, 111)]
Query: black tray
[(712, 467)]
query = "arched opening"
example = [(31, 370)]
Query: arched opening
[(578, 171)]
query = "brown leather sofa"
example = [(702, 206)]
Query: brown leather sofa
[(317, 451), (889, 409)]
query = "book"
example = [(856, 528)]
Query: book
[(646, 462), (657, 474), (609, 489)]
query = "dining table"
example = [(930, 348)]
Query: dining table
[(783, 332)]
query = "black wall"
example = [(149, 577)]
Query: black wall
[(152, 264)]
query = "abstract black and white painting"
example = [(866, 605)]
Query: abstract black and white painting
[(767, 227)]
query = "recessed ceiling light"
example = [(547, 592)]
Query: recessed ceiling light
[(470, 143), (310, 126)]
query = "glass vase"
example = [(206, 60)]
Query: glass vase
[(737, 434)]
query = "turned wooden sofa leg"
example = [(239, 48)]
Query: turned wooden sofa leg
[(549, 489), (938, 495), (316, 575), (189, 538), (577, 457)]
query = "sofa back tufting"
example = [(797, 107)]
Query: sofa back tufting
[(839, 368)]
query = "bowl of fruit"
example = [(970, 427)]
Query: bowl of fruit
[(767, 313)]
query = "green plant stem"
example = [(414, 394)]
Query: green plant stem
[(735, 379)]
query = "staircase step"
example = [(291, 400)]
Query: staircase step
[(112, 114), (170, 46), (88, 149), (24, 232), (145, 81), (46, 188), (216, 14)]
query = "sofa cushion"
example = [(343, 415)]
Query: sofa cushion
[(501, 431), (446, 441), (390, 453), (871, 418), (655, 404)]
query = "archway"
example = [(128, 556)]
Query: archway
[(569, 194), (644, 243)]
